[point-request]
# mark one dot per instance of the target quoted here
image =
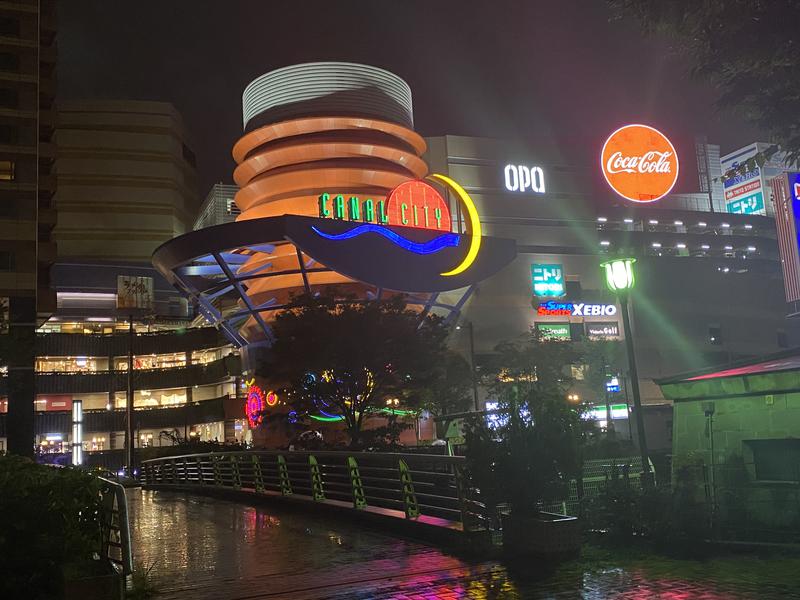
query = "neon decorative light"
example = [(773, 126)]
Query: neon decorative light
[(429, 247), (412, 203), (575, 309), (254, 406), (271, 398), (474, 224)]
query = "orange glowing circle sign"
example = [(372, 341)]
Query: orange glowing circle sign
[(639, 163), (417, 204), (271, 398)]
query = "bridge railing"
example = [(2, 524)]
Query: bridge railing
[(419, 485)]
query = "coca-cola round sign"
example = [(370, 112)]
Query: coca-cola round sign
[(639, 163)]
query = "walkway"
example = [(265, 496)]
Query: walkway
[(203, 548)]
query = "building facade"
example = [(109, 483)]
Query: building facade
[(219, 206), (735, 445), (127, 179), (27, 93)]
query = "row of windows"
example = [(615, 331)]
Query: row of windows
[(84, 364), (696, 226)]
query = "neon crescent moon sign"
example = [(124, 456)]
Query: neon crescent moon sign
[(474, 224)]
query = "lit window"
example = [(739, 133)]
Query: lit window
[(6, 170)]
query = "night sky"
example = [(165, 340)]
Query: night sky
[(535, 70)]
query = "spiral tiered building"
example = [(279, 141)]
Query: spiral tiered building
[(310, 129)]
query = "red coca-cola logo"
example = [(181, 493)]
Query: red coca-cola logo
[(639, 163)]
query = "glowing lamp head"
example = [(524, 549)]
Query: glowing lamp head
[(619, 274)]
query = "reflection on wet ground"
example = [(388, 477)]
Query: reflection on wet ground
[(205, 548)]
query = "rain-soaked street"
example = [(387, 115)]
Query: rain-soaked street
[(203, 548)]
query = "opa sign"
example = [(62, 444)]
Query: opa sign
[(520, 178)]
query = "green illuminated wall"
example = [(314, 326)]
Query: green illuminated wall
[(747, 408)]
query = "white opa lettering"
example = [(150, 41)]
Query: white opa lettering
[(520, 178)]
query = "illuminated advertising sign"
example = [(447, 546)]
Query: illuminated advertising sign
[(519, 178), (639, 163), (744, 194), (786, 195), (602, 330), (413, 204), (599, 413), (548, 280), (575, 309), (554, 331)]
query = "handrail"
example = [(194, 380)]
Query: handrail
[(427, 487), (115, 526)]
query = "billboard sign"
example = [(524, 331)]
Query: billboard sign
[(786, 195), (548, 280), (575, 309), (603, 330), (134, 292), (554, 331), (639, 163)]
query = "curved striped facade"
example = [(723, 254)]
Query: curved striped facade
[(326, 127)]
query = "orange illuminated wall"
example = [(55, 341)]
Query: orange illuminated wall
[(284, 167)]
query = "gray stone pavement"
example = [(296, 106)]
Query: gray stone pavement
[(204, 548)]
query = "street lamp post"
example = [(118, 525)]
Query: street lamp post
[(620, 280), (472, 363)]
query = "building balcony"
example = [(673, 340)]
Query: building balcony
[(214, 372), (96, 421), (71, 344)]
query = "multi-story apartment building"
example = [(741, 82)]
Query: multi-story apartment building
[(27, 215)]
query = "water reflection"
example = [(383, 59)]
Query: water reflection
[(203, 548)]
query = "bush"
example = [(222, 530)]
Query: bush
[(49, 527)]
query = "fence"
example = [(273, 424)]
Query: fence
[(417, 485)]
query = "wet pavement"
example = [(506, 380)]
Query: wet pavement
[(204, 548)]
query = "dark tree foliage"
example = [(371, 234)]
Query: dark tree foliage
[(531, 454), (348, 358), (748, 50)]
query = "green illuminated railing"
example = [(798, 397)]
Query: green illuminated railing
[(419, 486)]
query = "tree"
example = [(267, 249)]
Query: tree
[(346, 358), (531, 454), (747, 49), (450, 393), (601, 357)]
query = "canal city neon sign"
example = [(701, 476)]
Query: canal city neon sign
[(414, 204), (575, 309)]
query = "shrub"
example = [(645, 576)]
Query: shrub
[(49, 527)]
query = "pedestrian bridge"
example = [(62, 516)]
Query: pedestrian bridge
[(424, 494)]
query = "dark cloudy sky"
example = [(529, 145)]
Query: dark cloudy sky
[(499, 68)]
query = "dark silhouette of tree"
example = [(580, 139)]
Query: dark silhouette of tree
[(349, 358), (747, 49)]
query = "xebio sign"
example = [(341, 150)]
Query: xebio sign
[(639, 163)]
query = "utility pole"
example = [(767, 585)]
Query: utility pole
[(130, 441)]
